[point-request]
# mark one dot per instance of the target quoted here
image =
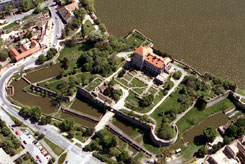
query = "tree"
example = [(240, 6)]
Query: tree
[(94, 36), (17, 122), (80, 13), (41, 59), (177, 75), (28, 34), (36, 113), (51, 53), (46, 120), (146, 100), (113, 151), (8, 9), (232, 130), (166, 131), (37, 10), (76, 22), (40, 136), (229, 85), (227, 140), (202, 152), (67, 124), (5, 131), (216, 147), (3, 55), (210, 133), (25, 112), (25, 6), (124, 156)]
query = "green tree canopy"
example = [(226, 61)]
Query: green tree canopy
[(210, 133)]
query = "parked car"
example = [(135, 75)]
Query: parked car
[(24, 142), (17, 133)]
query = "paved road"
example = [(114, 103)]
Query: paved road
[(12, 18), (49, 132), (58, 24)]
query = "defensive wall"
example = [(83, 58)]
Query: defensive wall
[(151, 128)]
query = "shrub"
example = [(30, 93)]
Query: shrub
[(177, 75)]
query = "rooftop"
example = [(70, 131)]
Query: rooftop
[(147, 53), (66, 11), (26, 50)]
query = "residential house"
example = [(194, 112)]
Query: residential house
[(66, 12), (234, 153)]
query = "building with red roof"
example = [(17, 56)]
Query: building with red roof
[(25, 50), (145, 58)]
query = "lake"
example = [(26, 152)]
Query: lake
[(209, 35)]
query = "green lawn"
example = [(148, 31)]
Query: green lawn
[(152, 91), (243, 100), (10, 25), (194, 116), (188, 152), (88, 27), (134, 40), (51, 85), (170, 103), (74, 51), (62, 158), (133, 102), (241, 92), (137, 83), (138, 157), (127, 77), (139, 90), (93, 84), (56, 149)]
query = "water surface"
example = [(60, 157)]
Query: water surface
[(31, 100), (207, 34), (215, 120)]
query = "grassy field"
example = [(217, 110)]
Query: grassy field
[(62, 158), (88, 27), (134, 40), (138, 157), (194, 116), (93, 84), (74, 51), (127, 77), (169, 103), (133, 102), (243, 100), (137, 83), (241, 92), (56, 149), (10, 25)]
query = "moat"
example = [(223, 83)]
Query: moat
[(208, 35)]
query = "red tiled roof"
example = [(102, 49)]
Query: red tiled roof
[(18, 56), (147, 53)]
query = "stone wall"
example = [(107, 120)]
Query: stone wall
[(78, 114), (187, 66), (151, 128), (162, 142), (218, 98), (239, 105), (46, 91), (127, 139)]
